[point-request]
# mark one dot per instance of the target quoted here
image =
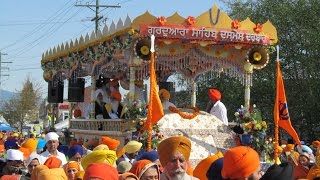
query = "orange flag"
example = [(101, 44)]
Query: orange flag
[(281, 112), (155, 110)]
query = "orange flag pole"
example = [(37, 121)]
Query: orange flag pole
[(281, 112), (155, 110), (276, 111)]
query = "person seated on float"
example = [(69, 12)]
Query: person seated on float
[(164, 97), (104, 84), (114, 85), (100, 110), (115, 108), (139, 90)]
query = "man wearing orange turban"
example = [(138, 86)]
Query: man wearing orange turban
[(31, 144), (165, 97), (316, 144), (111, 143), (241, 162), (314, 172), (216, 107), (203, 166), (101, 171), (174, 152)]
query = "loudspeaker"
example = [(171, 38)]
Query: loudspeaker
[(76, 90), (169, 86), (55, 92), (142, 49), (258, 57)]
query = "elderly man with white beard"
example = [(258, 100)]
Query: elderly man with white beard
[(174, 152)]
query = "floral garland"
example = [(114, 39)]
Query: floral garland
[(185, 115)]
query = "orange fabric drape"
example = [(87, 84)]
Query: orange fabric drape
[(281, 113), (155, 110)]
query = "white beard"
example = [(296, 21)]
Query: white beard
[(114, 106), (179, 174)]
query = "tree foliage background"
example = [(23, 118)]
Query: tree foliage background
[(297, 23), (23, 108)]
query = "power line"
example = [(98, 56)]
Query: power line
[(38, 28), (97, 7), (23, 69), (44, 36), (33, 23)]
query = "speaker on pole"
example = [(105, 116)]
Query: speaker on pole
[(76, 90), (55, 91)]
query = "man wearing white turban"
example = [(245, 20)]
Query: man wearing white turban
[(100, 110), (52, 144)]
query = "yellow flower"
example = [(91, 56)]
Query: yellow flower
[(248, 125), (264, 124), (258, 126)]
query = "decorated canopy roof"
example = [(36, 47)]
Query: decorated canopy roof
[(188, 45)]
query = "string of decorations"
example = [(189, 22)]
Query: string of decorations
[(186, 115)]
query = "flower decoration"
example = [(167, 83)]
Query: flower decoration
[(235, 24), (258, 28), (172, 50), (254, 129), (191, 20), (136, 110), (156, 138), (162, 20), (131, 31)]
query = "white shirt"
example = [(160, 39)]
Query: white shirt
[(60, 156), (220, 111), (166, 104)]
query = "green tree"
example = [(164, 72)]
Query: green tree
[(23, 108), (297, 25)]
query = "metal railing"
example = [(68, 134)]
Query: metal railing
[(119, 125)]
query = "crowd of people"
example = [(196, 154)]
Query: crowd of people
[(42, 157)]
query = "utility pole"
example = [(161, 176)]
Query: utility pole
[(97, 18), (3, 68)]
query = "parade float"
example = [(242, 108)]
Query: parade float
[(191, 46)]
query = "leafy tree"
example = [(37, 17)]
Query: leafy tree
[(23, 108), (297, 25)]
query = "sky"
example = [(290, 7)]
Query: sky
[(29, 28)]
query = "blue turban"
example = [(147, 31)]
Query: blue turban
[(74, 150), (11, 144), (151, 156), (41, 143), (63, 148), (214, 172)]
